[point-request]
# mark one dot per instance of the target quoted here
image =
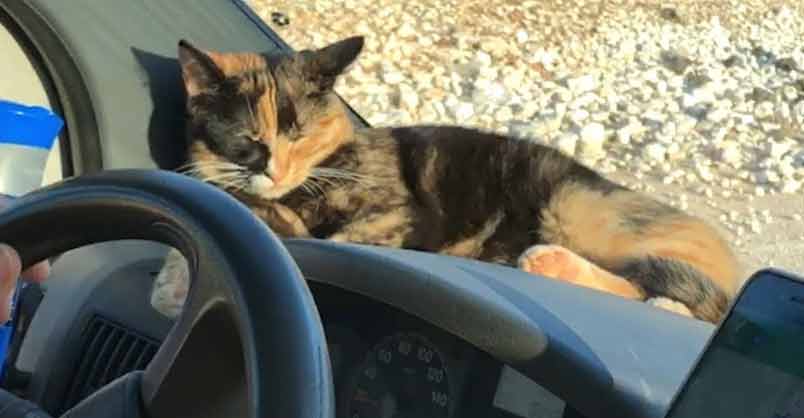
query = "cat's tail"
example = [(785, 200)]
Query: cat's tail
[(658, 249), (678, 281)]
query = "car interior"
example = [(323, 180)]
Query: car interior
[(478, 339)]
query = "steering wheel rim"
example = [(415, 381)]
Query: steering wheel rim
[(244, 287)]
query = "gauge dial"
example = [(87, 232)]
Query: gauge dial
[(402, 377)]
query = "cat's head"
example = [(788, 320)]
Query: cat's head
[(259, 124)]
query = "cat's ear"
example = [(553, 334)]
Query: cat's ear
[(334, 58), (199, 71), (327, 63)]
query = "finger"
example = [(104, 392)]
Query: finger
[(37, 273), (10, 266)]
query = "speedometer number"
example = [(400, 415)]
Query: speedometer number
[(385, 356), (405, 347), (439, 398), (425, 354), (435, 375)]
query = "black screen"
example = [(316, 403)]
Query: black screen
[(754, 365)]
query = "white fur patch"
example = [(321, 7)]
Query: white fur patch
[(670, 305), (259, 183)]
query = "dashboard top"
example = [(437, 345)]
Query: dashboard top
[(602, 355)]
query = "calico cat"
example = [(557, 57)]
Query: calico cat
[(271, 131)]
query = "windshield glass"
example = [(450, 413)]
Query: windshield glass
[(698, 103)]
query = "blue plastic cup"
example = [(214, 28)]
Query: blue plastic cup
[(27, 134)]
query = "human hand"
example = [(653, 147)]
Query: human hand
[(10, 266), (10, 271)]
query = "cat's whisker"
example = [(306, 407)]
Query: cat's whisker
[(325, 180), (205, 164), (221, 179), (222, 175), (344, 174), (242, 186), (238, 184), (251, 112), (198, 170), (317, 189), (328, 177), (307, 189)]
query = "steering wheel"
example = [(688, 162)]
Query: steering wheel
[(249, 342)]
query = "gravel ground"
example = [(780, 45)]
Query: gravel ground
[(698, 102)]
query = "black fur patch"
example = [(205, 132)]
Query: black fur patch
[(678, 281)]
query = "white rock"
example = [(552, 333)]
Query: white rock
[(764, 110), (704, 172), (730, 153), (567, 143), (698, 96), (756, 227), (408, 97), (718, 115), (514, 80), (624, 134), (504, 114), (463, 111), (393, 77), (655, 151), (578, 116), (790, 93), (654, 117), (592, 137), (489, 92), (676, 82), (407, 30), (786, 169), (777, 149), (791, 186), (798, 113), (564, 95), (582, 84), (482, 59), (521, 36)]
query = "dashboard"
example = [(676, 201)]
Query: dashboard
[(389, 364), (95, 315)]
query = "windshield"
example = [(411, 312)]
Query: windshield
[(698, 103)]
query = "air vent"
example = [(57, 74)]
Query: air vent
[(109, 351)]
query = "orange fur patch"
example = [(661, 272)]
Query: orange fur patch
[(292, 161), (559, 263), (264, 115), (590, 223)]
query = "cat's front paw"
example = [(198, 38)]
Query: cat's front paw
[(556, 262), (171, 285), (283, 221)]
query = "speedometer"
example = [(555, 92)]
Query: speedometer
[(404, 376)]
